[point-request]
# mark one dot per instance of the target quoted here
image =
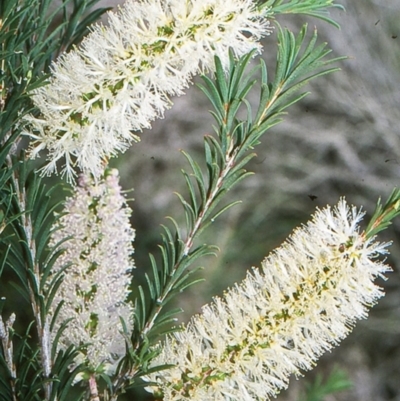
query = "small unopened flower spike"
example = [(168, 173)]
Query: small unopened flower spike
[(306, 298), (96, 236), (121, 77)]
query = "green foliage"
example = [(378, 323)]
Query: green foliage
[(320, 388), (312, 8), (75, 23), (384, 214), (27, 384), (27, 262)]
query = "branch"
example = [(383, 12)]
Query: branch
[(8, 349)]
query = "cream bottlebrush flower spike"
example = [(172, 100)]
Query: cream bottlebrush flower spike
[(122, 75), (281, 318), (98, 253)]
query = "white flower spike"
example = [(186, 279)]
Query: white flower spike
[(122, 75), (306, 298), (98, 255)]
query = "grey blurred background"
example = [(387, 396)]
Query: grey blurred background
[(342, 140)]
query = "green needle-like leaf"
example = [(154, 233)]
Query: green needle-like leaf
[(313, 8), (384, 214)]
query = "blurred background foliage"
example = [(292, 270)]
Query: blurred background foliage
[(341, 140)]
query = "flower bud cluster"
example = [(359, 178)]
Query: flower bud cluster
[(306, 298), (96, 236)]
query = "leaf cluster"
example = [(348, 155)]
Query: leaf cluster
[(26, 264), (313, 8), (384, 214)]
